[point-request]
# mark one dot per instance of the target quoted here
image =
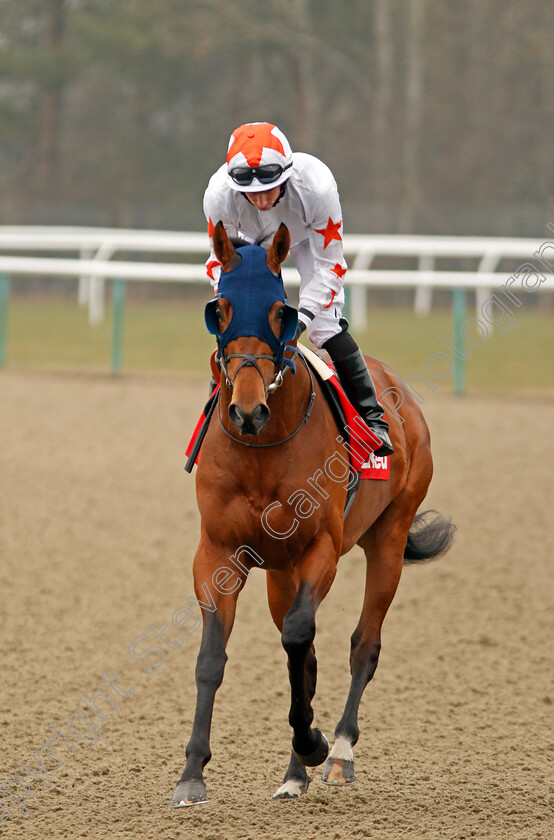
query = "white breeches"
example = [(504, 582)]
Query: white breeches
[(325, 325)]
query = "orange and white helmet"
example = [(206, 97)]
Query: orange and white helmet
[(259, 157)]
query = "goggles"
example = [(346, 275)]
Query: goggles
[(244, 175)]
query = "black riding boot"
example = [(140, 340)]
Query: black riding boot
[(358, 385)]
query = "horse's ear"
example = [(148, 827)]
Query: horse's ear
[(279, 249), (224, 248)]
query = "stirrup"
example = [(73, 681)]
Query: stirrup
[(386, 448)]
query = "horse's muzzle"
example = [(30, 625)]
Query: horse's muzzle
[(251, 422)]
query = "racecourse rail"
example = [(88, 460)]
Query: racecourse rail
[(91, 252)]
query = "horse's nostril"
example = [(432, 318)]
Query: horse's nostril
[(249, 422), (260, 416), (236, 415)]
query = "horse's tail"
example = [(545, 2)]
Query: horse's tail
[(430, 536)]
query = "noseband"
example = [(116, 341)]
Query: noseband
[(251, 360)]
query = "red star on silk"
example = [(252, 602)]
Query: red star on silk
[(330, 232), (210, 267), (210, 227), (339, 270), (251, 140)]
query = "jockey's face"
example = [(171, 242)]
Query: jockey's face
[(264, 200)]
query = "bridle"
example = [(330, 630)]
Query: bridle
[(280, 363), (250, 360)]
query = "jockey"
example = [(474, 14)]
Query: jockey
[(262, 184)]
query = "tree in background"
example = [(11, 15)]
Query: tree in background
[(433, 115), (52, 85)]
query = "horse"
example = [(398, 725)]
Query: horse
[(272, 435)]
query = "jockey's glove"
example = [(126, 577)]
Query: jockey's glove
[(305, 317), (300, 327)]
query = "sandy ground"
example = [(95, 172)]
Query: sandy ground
[(98, 526)]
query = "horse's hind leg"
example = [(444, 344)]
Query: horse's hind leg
[(384, 549)]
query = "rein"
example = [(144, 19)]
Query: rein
[(273, 386)]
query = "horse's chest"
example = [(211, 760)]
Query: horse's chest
[(273, 518), (249, 502)]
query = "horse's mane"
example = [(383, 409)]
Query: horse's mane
[(238, 242)]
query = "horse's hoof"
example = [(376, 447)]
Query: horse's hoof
[(338, 771), (318, 756), (191, 792), (291, 789)]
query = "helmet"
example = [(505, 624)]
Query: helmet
[(259, 158)]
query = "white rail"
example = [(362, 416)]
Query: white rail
[(74, 238), (97, 247), (182, 273)]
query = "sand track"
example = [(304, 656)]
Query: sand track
[(98, 526)]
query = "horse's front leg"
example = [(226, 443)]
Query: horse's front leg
[(281, 591), (315, 574), (218, 620)]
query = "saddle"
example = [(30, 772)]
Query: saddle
[(353, 431)]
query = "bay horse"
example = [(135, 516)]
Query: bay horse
[(272, 434)]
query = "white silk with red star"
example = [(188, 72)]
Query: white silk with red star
[(311, 211)]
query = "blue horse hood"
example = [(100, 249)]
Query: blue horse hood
[(251, 289)]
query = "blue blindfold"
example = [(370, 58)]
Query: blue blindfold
[(252, 289)]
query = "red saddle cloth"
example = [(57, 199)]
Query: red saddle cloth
[(361, 440)]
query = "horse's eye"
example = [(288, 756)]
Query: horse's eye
[(281, 314), (218, 313)]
